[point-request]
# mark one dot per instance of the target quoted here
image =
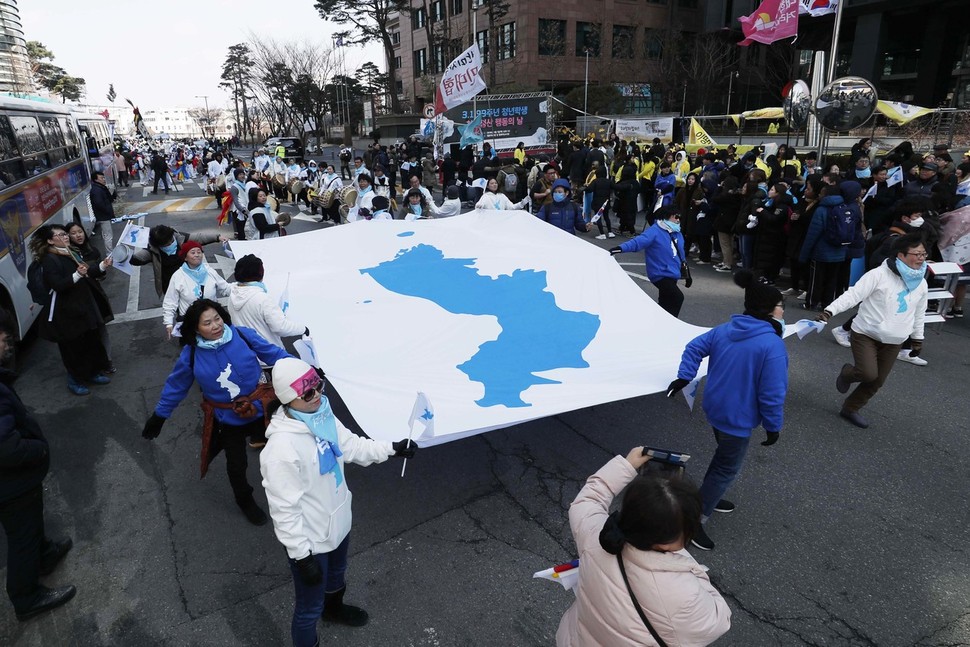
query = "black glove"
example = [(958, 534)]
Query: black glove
[(615, 250), (309, 571), (915, 347), (772, 438), (306, 332), (153, 427), (824, 316), (676, 386), (689, 282), (402, 450)]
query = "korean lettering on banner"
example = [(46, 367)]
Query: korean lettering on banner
[(459, 81)]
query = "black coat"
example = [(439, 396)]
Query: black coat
[(24, 455), (101, 200), (74, 308), (771, 243)]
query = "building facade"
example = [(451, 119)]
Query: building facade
[(540, 46), (15, 74)]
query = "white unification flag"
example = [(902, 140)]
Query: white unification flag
[(461, 80), (501, 317), (895, 176), (423, 413), (285, 296)]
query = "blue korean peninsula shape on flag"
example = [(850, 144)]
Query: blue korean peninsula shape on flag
[(520, 301)]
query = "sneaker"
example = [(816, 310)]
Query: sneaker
[(801, 294), (111, 370), (700, 262), (841, 384), (954, 312), (78, 389), (789, 292), (701, 540), (905, 357), (254, 514), (724, 506), (257, 444), (601, 237), (722, 268), (841, 336), (855, 419), (610, 234), (100, 379), (716, 256)]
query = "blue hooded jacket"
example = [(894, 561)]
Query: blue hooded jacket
[(223, 374), (815, 247), (747, 375), (567, 215), (658, 251)]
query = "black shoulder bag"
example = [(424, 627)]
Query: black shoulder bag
[(684, 267), (636, 605)]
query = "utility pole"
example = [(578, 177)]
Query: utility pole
[(586, 94)]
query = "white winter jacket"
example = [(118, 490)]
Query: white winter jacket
[(880, 317), (310, 513), (499, 202), (181, 293), (251, 307)]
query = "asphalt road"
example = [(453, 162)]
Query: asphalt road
[(841, 537)]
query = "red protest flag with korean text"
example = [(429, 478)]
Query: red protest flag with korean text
[(772, 20), (461, 81)]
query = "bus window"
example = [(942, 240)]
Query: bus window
[(51, 133), (11, 166), (67, 132), (27, 132)]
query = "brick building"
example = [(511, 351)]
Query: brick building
[(539, 45)]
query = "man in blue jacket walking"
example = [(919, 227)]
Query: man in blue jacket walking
[(663, 251), (747, 379)]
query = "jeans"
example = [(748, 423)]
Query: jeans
[(747, 251), (670, 298), (309, 599), (23, 523), (723, 470)]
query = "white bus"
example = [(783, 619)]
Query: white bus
[(44, 178), (98, 140)]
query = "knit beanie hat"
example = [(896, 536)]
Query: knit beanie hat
[(292, 378), (249, 268), (380, 203), (759, 299), (187, 247)]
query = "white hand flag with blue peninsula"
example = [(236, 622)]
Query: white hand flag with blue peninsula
[(285, 297), (423, 412)]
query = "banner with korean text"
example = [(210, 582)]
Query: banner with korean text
[(461, 80), (645, 130)]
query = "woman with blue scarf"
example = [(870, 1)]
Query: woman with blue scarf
[(892, 304), (193, 281), (225, 361), (303, 473)]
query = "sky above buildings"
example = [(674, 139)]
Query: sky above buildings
[(165, 54)]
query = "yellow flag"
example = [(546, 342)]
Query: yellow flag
[(698, 135), (901, 113)]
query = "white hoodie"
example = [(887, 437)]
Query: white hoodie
[(310, 513), (181, 293), (878, 292), (251, 307)]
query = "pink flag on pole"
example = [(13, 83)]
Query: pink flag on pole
[(772, 20)]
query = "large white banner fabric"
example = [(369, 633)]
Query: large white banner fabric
[(498, 317), (645, 130)]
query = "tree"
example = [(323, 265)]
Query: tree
[(206, 118), (69, 88), (368, 20), (45, 73), (112, 95), (235, 79), (495, 10)]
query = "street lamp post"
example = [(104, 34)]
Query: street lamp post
[(206, 120), (731, 78), (586, 91)]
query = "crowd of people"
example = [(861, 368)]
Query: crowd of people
[(754, 214)]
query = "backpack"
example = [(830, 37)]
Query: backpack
[(39, 292), (511, 181), (841, 224)]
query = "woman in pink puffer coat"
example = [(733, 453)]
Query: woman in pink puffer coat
[(656, 520)]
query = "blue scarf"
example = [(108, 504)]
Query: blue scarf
[(258, 284), (911, 278), (199, 275), (323, 426), (213, 344)]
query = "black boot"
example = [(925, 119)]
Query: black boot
[(46, 600), (334, 610), (254, 514)]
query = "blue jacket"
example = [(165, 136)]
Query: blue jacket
[(658, 252), (815, 247), (567, 215), (223, 374), (747, 375)]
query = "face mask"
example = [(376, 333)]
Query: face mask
[(171, 249), (916, 222), (674, 226), (782, 323), (863, 172), (559, 197)]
